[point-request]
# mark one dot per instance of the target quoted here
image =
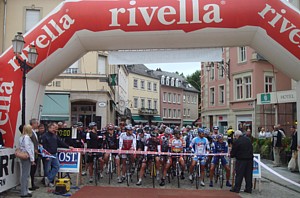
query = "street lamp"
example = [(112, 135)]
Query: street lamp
[(224, 66), (18, 45)]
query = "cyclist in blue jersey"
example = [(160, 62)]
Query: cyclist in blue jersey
[(200, 147), (218, 147)]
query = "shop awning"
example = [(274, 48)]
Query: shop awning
[(137, 119), (188, 122), (156, 119), (56, 107)]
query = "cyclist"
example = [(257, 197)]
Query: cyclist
[(112, 142), (189, 136), (215, 133), (164, 142), (152, 144), (218, 147), (200, 147), (92, 140), (176, 145), (141, 139), (127, 141)]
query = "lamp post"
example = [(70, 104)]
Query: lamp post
[(25, 65), (224, 66)]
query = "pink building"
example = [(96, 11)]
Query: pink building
[(230, 89)]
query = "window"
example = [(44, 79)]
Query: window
[(221, 72), (101, 64), (212, 96), (149, 104), (135, 83), (269, 84), (172, 81), (179, 113), (195, 99), (177, 82), (155, 104), (212, 72), (242, 54), (183, 98), (135, 103), (248, 90), (188, 112), (174, 113), (165, 97), (178, 99), (188, 98), (174, 98), (32, 17), (221, 94), (239, 88), (142, 103), (165, 113), (162, 80), (142, 84), (154, 87), (57, 83), (169, 97), (184, 112), (149, 86), (167, 80), (170, 113)]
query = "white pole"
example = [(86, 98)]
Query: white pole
[(298, 118)]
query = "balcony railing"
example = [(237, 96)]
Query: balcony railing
[(71, 71), (147, 111)]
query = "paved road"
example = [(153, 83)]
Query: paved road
[(271, 186)]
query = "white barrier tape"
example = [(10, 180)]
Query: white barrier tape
[(275, 173), (137, 152)]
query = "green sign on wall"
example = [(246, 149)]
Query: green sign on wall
[(265, 98)]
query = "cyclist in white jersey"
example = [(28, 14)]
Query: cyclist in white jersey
[(200, 147)]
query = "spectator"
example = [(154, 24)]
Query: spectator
[(294, 147), (26, 145), (242, 150), (277, 136), (268, 134), (34, 123), (248, 134), (51, 142), (262, 133)]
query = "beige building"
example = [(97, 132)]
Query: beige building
[(143, 94)]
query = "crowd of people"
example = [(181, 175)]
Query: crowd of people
[(168, 139)]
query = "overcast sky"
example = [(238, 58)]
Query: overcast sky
[(185, 68)]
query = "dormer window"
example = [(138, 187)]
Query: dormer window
[(172, 81), (177, 82), (168, 80), (162, 80)]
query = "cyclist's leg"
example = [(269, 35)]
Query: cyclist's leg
[(227, 169), (117, 162), (168, 165), (213, 164), (123, 165), (202, 169), (182, 163), (194, 161), (90, 160), (142, 171)]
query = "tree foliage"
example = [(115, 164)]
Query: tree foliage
[(194, 80)]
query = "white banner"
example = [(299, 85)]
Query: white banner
[(9, 169), (165, 56)]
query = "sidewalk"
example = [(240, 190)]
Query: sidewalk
[(282, 170)]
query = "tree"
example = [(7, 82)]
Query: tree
[(194, 80)]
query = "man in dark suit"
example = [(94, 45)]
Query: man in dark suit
[(242, 150), (34, 124)]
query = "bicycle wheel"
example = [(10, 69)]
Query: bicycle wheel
[(153, 173), (197, 176), (221, 176), (110, 171), (216, 175), (178, 174), (95, 171), (128, 171)]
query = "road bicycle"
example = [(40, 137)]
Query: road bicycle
[(96, 167), (219, 173), (111, 167), (128, 169), (153, 170)]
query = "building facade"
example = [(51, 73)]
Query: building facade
[(230, 89)]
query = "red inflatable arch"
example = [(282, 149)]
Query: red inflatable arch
[(75, 27)]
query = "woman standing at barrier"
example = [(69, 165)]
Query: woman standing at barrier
[(26, 145)]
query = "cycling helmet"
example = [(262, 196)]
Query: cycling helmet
[(129, 127), (92, 124), (215, 128), (153, 134), (79, 124), (200, 130), (139, 131), (176, 132), (206, 131), (110, 127), (195, 132), (219, 136), (188, 127), (168, 130)]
